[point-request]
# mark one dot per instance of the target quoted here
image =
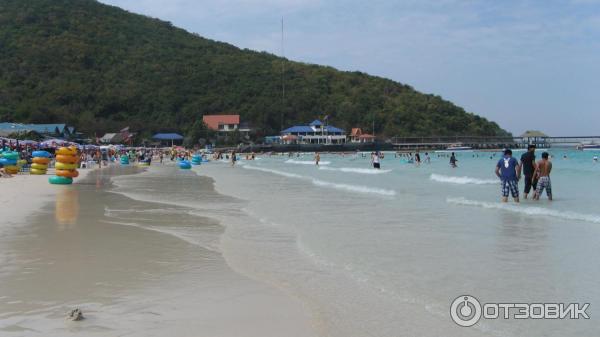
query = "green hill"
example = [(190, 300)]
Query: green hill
[(101, 68)]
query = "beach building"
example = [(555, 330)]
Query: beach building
[(222, 123), (314, 133), (121, 137), (534, 137), (46, 130), (357, 136)]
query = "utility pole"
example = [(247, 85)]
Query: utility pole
[(282, 77)]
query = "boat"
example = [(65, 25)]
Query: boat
[(456, 148), (589, 147)]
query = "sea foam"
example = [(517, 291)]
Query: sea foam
[(527, 210), (277, 172), (354, 188), (355, 170), (322, 183), (306, 162), (462, 180)]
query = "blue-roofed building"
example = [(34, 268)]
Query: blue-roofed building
[(49, 130), (315, 133)]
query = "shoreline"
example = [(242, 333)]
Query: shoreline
[(34, 192), (192, 291)]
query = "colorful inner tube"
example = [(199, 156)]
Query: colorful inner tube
[(67, 173), (41, 154), (37, 172), (41, 160), (69, 151), (67, 159), (55, 180), (11, 169), (63, 166), (8, 162), (39, 166), (11, 155), (185, 165)]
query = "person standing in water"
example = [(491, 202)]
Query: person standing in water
[(233, 158), (375, 160), (543, 169), (417, 158), (453, 160), (509, 172), (528, 167), (317, 158)]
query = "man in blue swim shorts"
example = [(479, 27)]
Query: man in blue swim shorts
[(509, 172)]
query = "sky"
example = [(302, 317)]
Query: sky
[(524, 64)]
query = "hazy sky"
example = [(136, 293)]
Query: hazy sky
[(523, 64)]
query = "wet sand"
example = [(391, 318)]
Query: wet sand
[(114, 257)]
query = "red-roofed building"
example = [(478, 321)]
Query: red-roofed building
[(222, 123), (357, 136)]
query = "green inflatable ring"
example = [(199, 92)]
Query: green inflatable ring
[(56, 180)]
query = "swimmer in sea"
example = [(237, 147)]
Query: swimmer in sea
[(595, 159), (375, 160), (317, 158), (453, 160)]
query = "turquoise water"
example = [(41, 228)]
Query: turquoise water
[(384, 253)]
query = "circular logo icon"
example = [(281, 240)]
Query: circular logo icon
[(465, 310)]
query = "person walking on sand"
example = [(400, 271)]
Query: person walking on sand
[(543, 169), (317, 158), (528, 167), (453, 160), (509, 172)]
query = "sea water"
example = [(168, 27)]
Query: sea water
[(385, 252)]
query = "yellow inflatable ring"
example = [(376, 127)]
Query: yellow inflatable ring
[(11, 169), (69, 151), (37, 172), (39, 166), (40, 160), (67, 159), (63, 166), (67, 173)]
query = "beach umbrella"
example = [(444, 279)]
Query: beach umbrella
[(53, 143)]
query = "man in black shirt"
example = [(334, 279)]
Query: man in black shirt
[(528, 167)]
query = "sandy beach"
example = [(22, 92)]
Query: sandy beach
[(117, 259)]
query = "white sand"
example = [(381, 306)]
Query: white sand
[(24, 193), (127, 280)]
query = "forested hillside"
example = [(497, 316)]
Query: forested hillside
[(101, 68)]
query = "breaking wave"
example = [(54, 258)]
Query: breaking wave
[(462, 180), (355, 170), (527, 210), (322, 183), (306, 162)]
